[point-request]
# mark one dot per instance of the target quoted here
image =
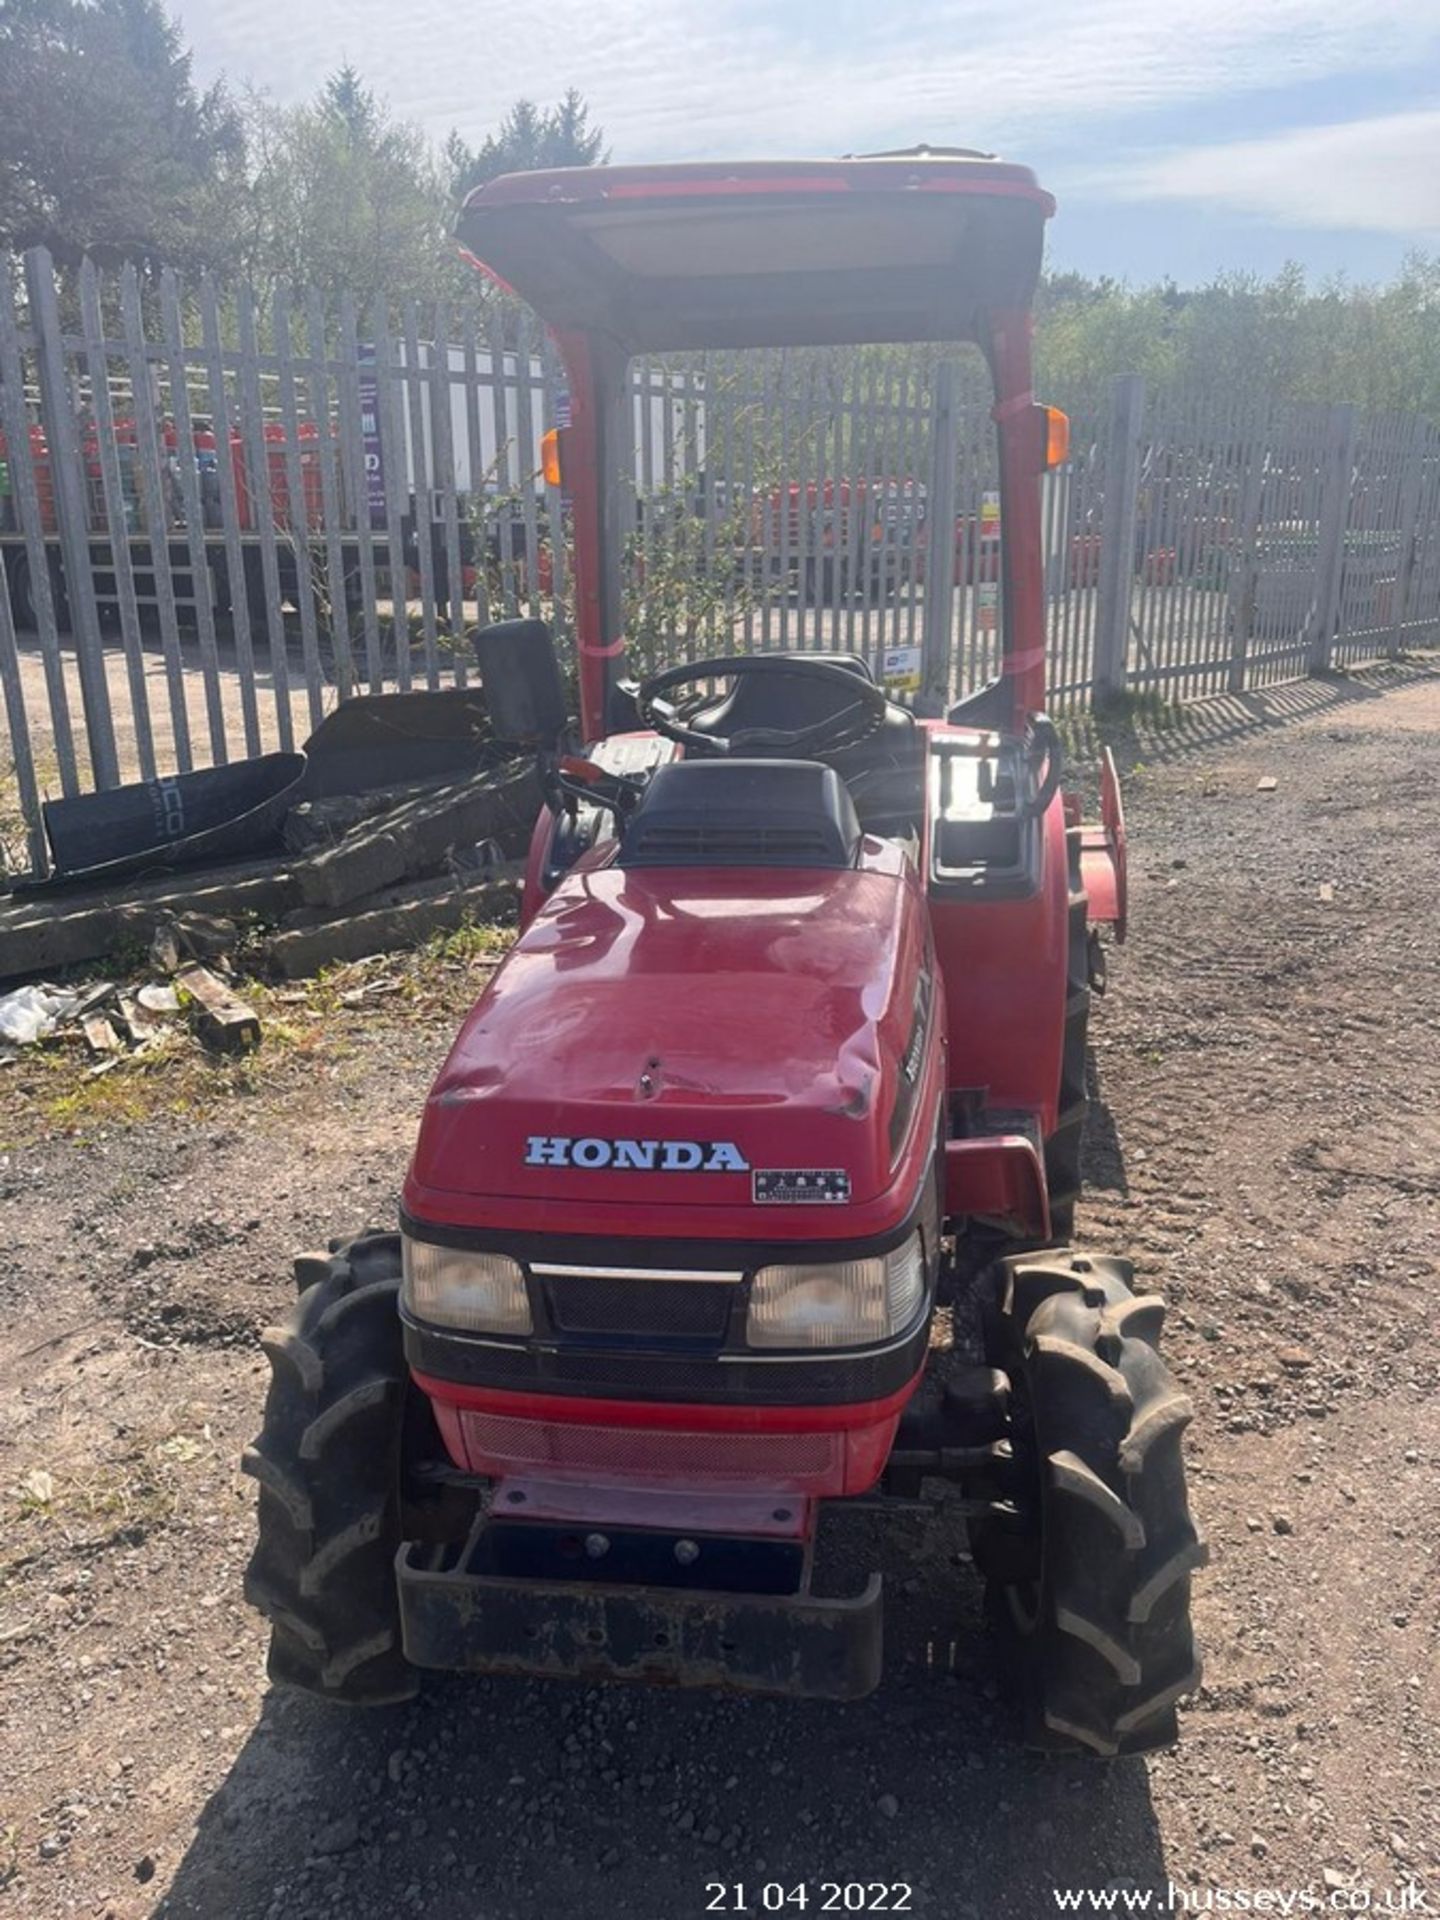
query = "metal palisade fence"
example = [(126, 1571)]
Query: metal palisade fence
[(221, 515)]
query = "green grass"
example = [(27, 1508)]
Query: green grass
[(471, 941), (85, 1509), (55, 1089), (1121, 723), (14, 834)]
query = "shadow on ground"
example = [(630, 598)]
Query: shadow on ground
[(504, 1797), (1102, 1160), (1136, 733)]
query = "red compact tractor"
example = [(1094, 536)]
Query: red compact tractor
[(784, 1076)]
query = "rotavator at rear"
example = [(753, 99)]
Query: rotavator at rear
[(784, 1074)]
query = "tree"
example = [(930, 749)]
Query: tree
[(346, 199), (560, 136), (106, 145), (1087, 332), (1248, 339), (347, 101)]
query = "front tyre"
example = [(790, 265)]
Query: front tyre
[(1088, 1564), (328, 1460)]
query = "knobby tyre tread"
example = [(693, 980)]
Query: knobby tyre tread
[(327, 1463), (1091, 1586)]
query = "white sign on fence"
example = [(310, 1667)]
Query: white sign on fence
[(900, 669)]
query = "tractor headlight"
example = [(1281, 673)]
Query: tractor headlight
[(845, 1303), (460, 1287)]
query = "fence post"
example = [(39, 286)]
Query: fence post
[(20, 749), (1117, 538), (934, 696), (25, 502), (1334, 516), (115, 530), (1409, 536), (72, 515), (1244, 580)]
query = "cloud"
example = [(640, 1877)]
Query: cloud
[(723, 78), (1380, 175)]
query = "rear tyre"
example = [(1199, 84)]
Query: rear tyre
[(1088, 1566), (328, 1460)]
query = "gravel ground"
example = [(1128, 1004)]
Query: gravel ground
[(1265, 1143)]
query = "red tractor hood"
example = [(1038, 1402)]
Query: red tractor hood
[(685, 1051)]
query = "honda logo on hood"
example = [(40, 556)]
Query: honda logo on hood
[(635, 1156)]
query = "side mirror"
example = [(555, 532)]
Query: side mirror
[(524, 687)]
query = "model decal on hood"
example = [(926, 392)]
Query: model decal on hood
[(635, 1156), (800, 1186)]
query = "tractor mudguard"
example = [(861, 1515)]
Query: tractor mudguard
[(1103, 856), (998, 1177)]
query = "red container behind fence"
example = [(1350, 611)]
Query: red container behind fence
[(44, 484), (244, 507), (127, 441), (311, 512), (311, 517)]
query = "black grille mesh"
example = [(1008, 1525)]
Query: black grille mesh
[(674, 1309)]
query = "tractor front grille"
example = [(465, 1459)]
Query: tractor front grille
[(503, 1444), (686, 1311)]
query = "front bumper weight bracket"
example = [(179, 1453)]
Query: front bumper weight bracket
[(457, 1620)]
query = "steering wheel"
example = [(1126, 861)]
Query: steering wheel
[(1046, 757), (863, 712)]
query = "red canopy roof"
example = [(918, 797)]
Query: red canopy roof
[(898, 247)]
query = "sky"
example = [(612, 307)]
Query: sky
[(1180, 140)]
